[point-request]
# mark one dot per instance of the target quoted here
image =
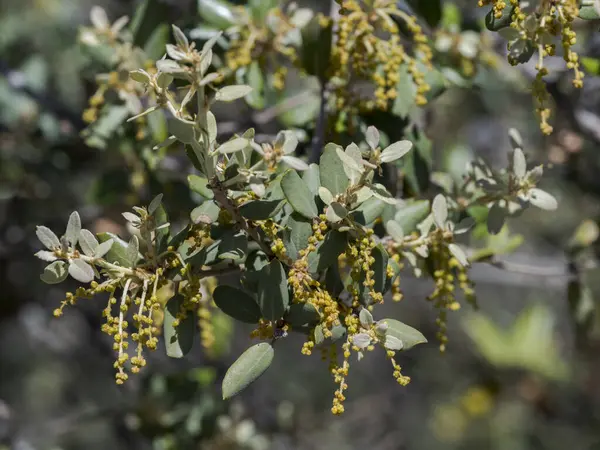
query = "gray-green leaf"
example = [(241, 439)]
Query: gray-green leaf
[(73, 229), (331, 171), (231, 93), (365, 317), (81, 271), (542, 199), (118, 249), (372, 137), (234, 145), (298, 195), (408, 335), (237, 304), (200, 186), (178, 340), (133, 250), (395, 151), (519, 163), (273, 294), (55, 273), (459, 254), (394, 229), (393, 343), (47, 237), (88, 242), (440, 210), (103, 248), (247, 368)]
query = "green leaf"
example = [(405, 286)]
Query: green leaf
[(47, 237), (118, 250), (247, 368), (494, 23), (311, 178), (273, 294), (178, 340), (261, 209), (298, 195), (379, 266), (366, 318), (336, 212), (217, 13), (183, 131), (180, 38), (439, 208), (394, 229), (237, 304), (496, 218), (369, 211), (88, 242), (207, 213), (331, 169), (233, 92), (81, 271), (200, 185), (233, 145), (302, 315), (103, 248), (55, 273), (542, 200), (372, 137), (299, 229), (155, 203), (327, 252), (395, 151), (519, 163), (233, 246), (316, 48), (588, 11), (73, 229), (408, 335), (325, 195), (405, 100), (459, 254), (255, 79), (133, 251)]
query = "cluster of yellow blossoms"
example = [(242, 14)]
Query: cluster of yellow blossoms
[(368, 47), (124, 58), (265, 41), (536, 30), (446, 272)]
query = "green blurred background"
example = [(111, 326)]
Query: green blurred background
[(522, 372)]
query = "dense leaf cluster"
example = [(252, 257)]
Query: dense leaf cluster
[(316, 246)]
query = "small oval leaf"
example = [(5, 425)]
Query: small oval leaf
[(247, 368), (47, 237), (298, 195), (55, 273), (73, 229), (81, 271), (408, 335), (179, 339), (395, 151), (237, 304)]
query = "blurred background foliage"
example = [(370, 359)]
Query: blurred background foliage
[(519, 373)]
